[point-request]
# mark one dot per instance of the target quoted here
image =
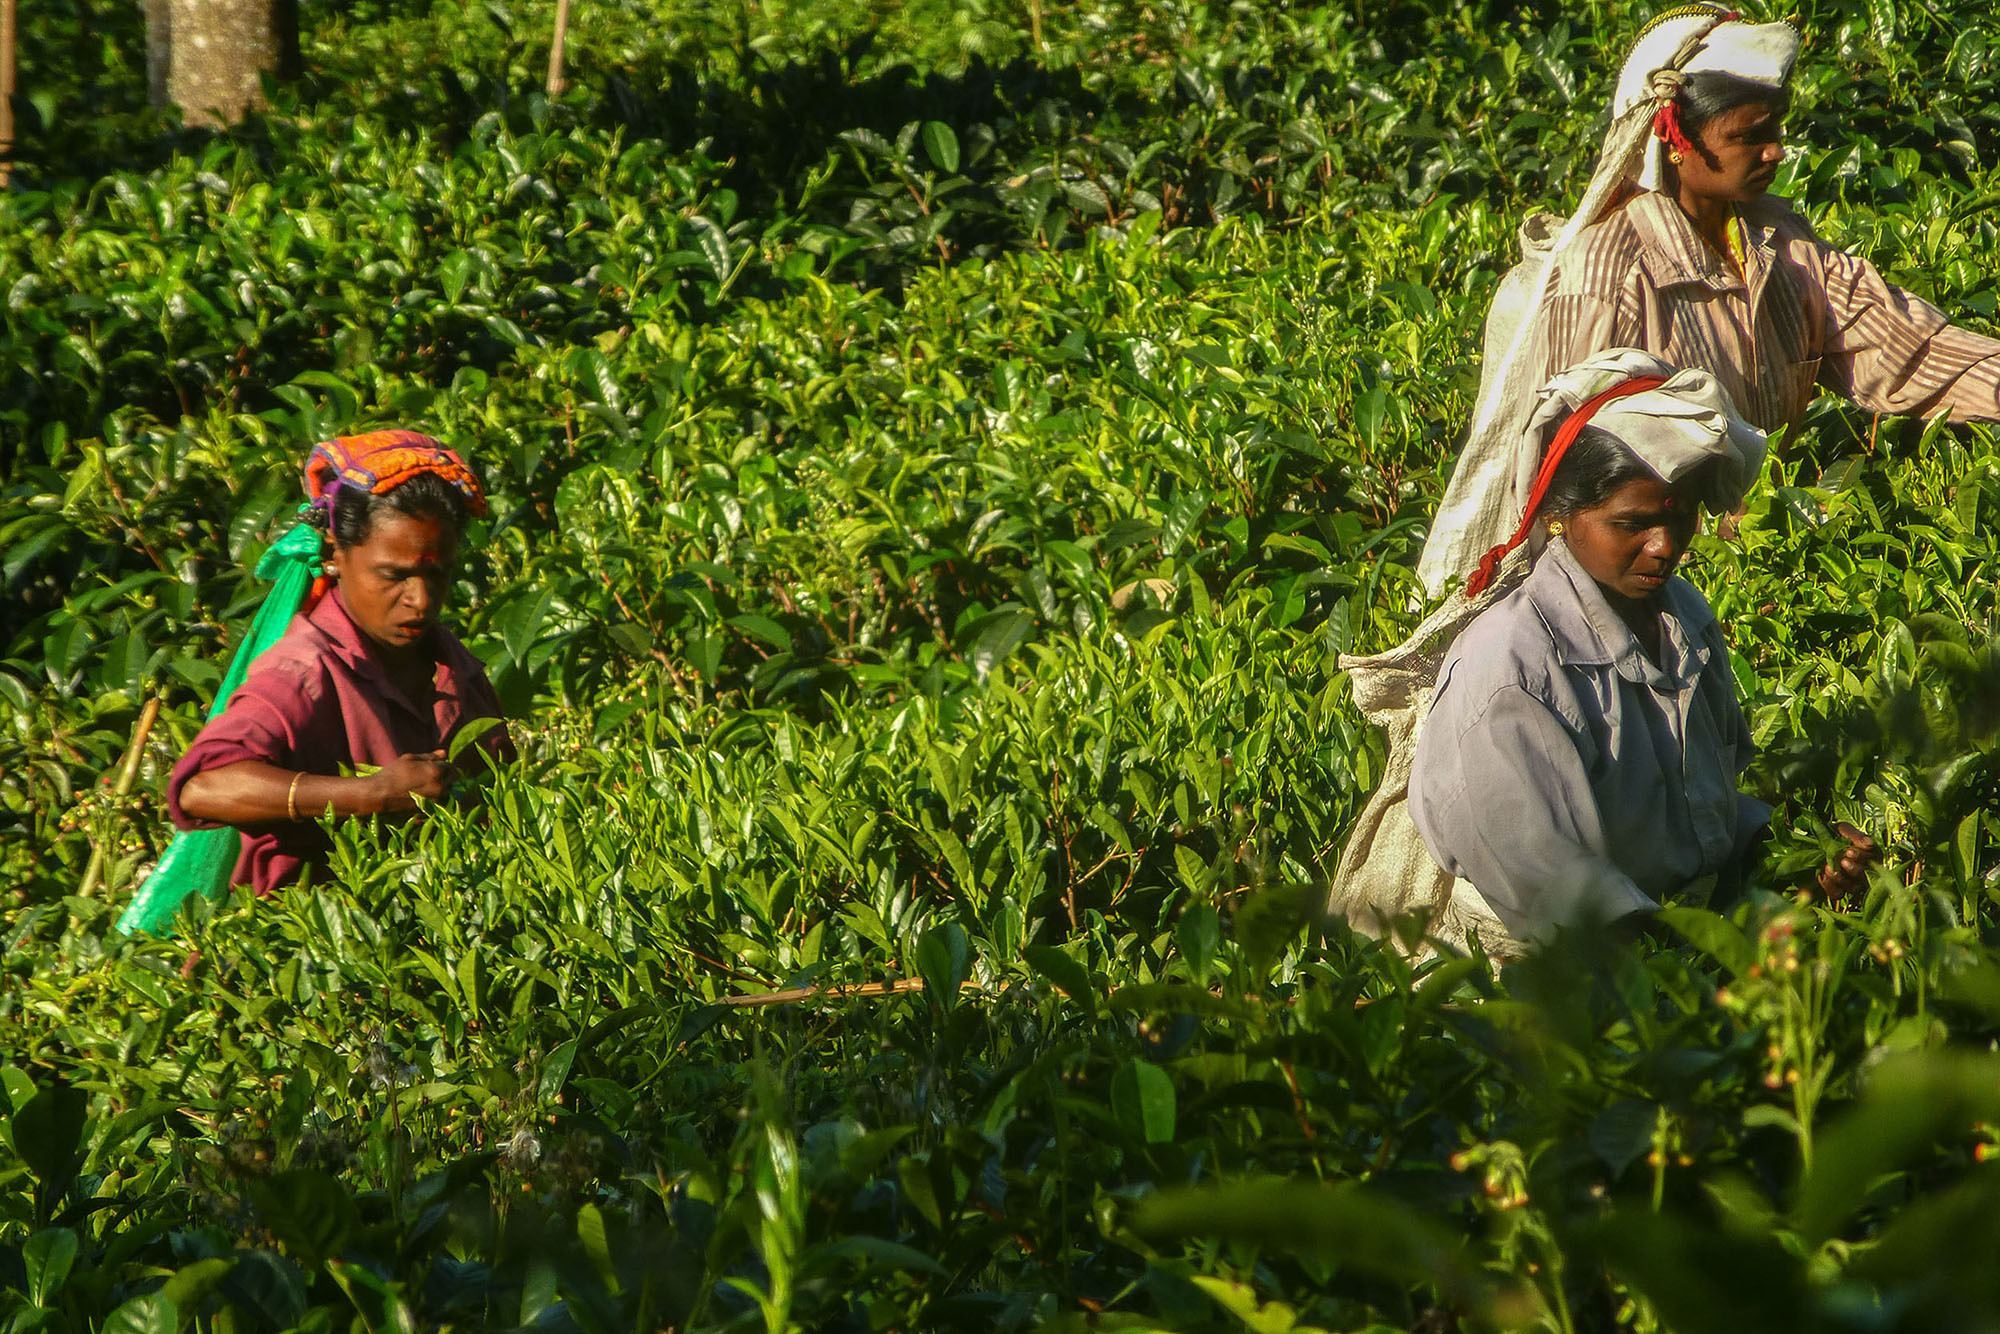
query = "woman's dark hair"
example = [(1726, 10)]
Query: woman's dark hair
[(1597, 464), (1707, 94), (425, 496)]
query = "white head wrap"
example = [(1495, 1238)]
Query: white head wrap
[(1674, 428), (1759, 53)]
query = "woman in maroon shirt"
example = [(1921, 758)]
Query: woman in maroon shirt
[(365, 677)]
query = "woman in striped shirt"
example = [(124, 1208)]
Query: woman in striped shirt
[(1702, 267), (1676, 248)]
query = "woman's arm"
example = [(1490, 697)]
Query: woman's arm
[(253, 792), (241, 767), (1511, 809), (1892, 351)]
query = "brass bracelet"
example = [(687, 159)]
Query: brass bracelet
[(292, 797)]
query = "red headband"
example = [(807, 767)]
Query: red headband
[(1572, 427)]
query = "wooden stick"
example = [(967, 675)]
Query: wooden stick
[(556, 48), (792, 995), (6, 91), (128, 770)]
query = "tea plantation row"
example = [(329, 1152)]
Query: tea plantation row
[(935, 467)]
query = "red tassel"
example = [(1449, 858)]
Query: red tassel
[(1572, 427), (1667, 128), (1482, 575)]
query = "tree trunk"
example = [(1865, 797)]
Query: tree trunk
[(209, 57), (6, 91), (159, 49), (556, 42)]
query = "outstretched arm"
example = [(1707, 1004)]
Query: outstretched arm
[(1892, 351), (252, 792), (241, 769)]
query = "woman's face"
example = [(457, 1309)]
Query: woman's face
[(1630, 543), (1736, 155), (394, 583)]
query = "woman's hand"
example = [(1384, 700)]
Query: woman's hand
[(407, 777), (1847, 873)]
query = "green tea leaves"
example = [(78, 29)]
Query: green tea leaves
[(941, 145), (1143, 1097), (944, 961)]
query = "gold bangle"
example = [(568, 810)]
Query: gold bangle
[(292, 797)]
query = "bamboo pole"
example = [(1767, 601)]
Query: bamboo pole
[(555, 47), (128, 770), (7, 14)]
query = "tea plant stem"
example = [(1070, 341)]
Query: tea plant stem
[(660, 655), (130, 522), (736, 973), (1063, 836), (128, 770), (1552, 1265)]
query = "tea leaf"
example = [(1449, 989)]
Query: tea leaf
[(1143, 1097)]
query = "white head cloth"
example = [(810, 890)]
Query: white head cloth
[(1759, 53), (1674, 428)]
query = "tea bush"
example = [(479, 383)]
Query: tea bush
[(938, 453)]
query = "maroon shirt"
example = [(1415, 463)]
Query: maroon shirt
[(318, 701)]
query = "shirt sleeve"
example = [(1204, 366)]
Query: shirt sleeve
[(1592, 303), (1891, 351), (1518, 818), (264, 720)]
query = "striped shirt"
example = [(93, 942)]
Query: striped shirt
[(1803, 314)]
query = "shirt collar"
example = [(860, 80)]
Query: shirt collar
[(329, 616), (345, 640), (1674, 252), (1588, 633)]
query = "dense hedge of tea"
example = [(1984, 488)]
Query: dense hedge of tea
[(938, 453)]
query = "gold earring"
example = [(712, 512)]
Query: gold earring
[(1555, 527), (1675, 157)]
